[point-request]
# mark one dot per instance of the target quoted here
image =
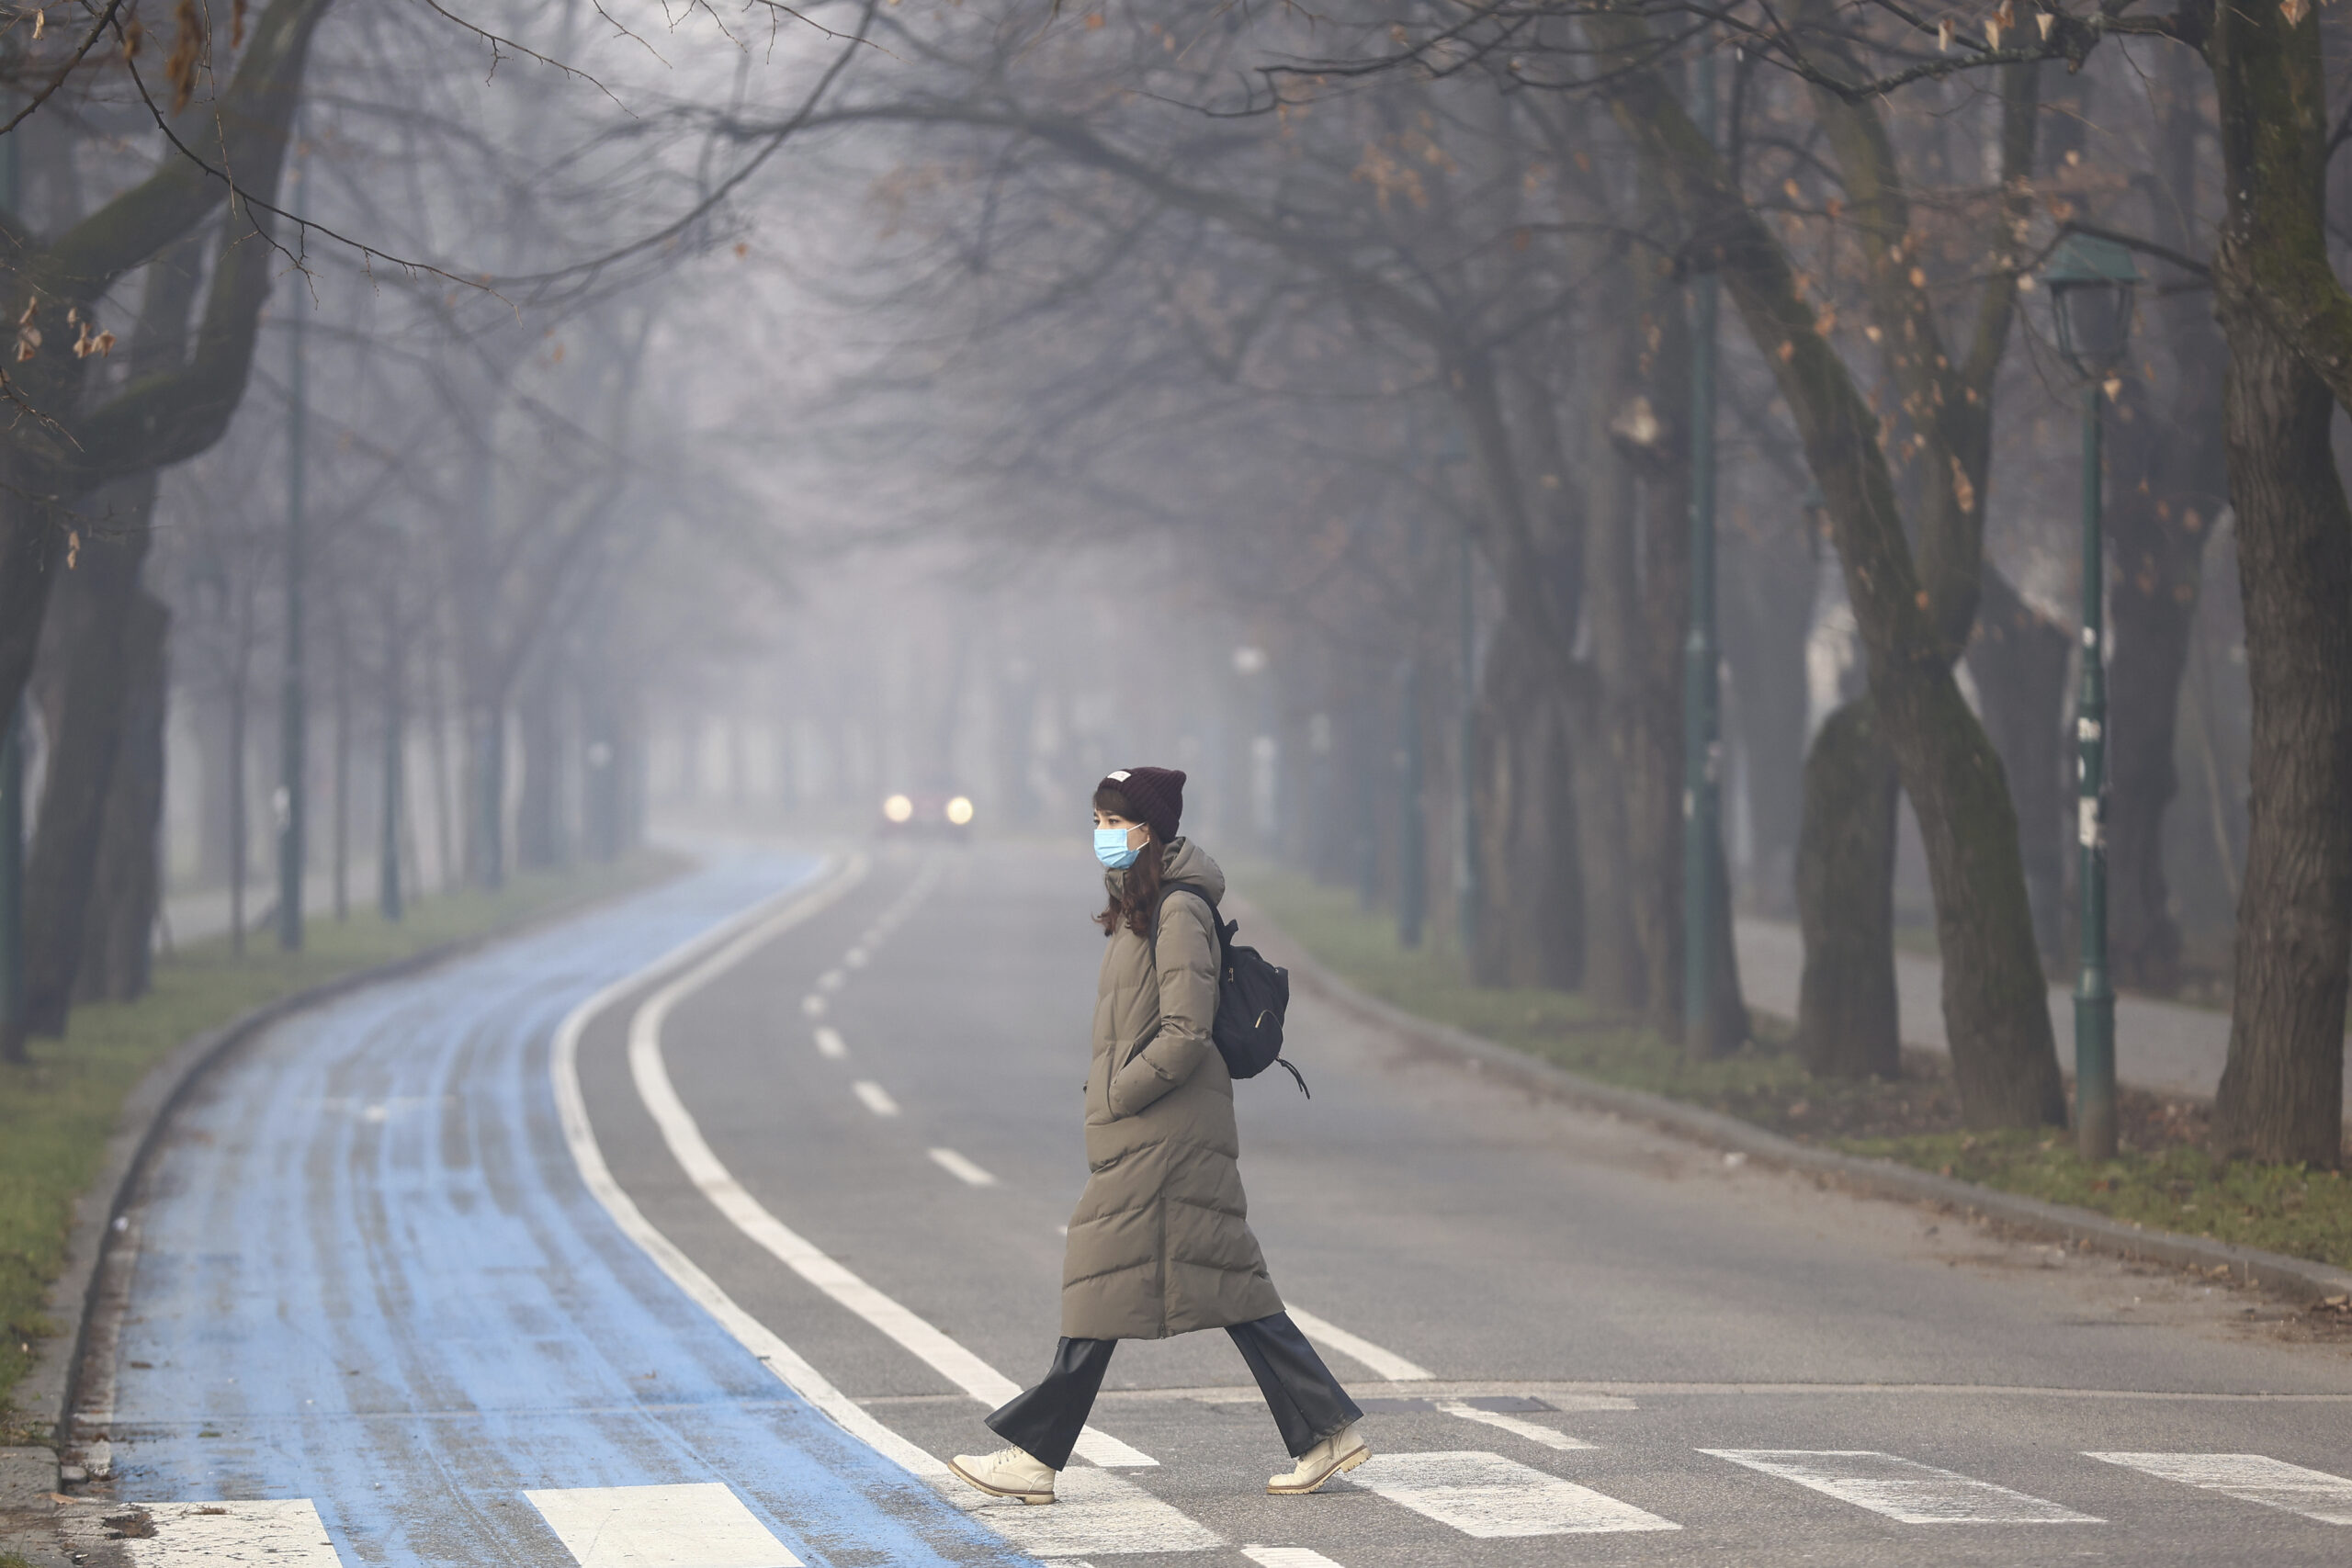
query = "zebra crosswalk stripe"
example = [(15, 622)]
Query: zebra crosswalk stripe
[(701, 1525), (285, 1533), (2251, 1478), (1095, 1511), (1489, 1497), (1903, 1489)]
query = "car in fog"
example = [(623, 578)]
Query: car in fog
[(927, 813)]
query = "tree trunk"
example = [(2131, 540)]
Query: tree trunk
[(538, 813), (342, 835), (1848, 1025), (2283, 1089), (2005, 1059), (90, 639), (49, 463), (392, 810), (240, 671), (2018, 657), (2170, 481), (1530, 922), (485, 791), (1767, 605), (117, 938)]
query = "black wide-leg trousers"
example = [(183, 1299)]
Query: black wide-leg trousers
[(1307, 1400)]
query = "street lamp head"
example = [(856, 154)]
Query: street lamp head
[(2091, 282)]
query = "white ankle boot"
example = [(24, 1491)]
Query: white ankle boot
[(1342, 1450), (1008, 1473)]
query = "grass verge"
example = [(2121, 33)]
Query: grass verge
[(2165, 1178), (57, 1109)]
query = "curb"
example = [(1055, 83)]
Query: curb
[(2299, 1278), (46, 1392)]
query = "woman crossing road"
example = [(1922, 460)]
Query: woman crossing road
[(1161, 1242)]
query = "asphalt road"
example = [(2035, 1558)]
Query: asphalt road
[(711, 1270)]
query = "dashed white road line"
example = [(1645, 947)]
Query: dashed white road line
[(1386, 1363), (1550, 1436), (830, 1044), (703, 1525), (855, 958), (1903, 1489), (588, 1157), (1287, 1557), (813, 1005), (874, 1097), (2251, 1478), (1492, 1497), (962, 1170), (704, 1168), (830, 980)]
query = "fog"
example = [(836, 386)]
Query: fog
[(690, 419)]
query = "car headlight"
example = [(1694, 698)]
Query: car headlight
[(898, 808), (959, 811)]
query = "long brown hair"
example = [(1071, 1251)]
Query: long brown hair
[(1138, 901)]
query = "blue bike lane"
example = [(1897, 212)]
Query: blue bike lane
[(368, 1276)]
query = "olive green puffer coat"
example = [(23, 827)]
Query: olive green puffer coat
[(1160, 1241)]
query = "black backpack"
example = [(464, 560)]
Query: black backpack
[(1251, 996)]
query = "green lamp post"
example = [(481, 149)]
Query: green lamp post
[(1702, 650), (2091, 283)]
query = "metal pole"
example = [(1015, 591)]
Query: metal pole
[(293, 720), (1412, 848), (1412, 843), (1468, 883), (12, 791), (2093, 995), (1701, 748)]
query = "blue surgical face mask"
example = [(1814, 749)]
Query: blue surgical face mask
[(1110, 848)]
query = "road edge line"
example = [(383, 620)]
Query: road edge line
[(2299, 1278)]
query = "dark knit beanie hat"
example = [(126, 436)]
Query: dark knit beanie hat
[(1154, 796)]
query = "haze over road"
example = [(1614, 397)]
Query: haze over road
[(480, 1287)]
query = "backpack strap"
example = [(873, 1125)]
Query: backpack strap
[(1216, 922)]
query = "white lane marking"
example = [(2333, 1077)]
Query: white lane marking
[(1388, 1363), (588, 1156), (2252, 1478), (704, 1168), (1489, 1496), (1550, 1436), (1903, 1489), (1093, 1511), (830, 1044), (198, 1535), (854, 959), (874, 1097), (830, 980), (701, 1526), (1287, 1557), (813, 1006), (962, 1170)]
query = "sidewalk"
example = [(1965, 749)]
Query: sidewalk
[(2161, 1046)]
